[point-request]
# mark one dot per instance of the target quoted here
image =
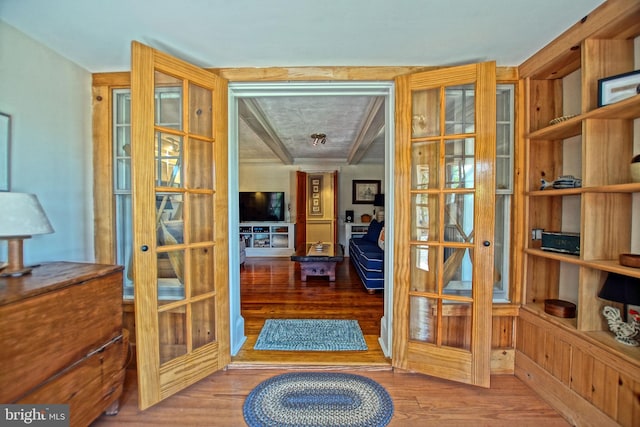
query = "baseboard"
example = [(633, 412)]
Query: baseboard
[(577, 410)]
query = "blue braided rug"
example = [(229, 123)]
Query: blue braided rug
[(325, 399), (311, 335)]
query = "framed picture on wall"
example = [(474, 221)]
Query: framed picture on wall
[(364, 191), (5, 143), (315, 196)]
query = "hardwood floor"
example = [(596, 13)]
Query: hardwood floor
[(418, 400), (271, 288)]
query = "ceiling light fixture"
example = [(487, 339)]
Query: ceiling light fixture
[(318, 138)]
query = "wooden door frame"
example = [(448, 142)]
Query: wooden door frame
[(239, 90), (104, 201)]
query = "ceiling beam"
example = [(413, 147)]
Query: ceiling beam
[(371, 125), (254, 117)]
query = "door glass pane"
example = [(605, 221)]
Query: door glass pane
[(168, 98), (423, 268), (425, 113), (424, 165), (200, 111), (203, 322), (172, 333), (422, 319), (201, 171), (169, 216), (460, 109), (457, 273), (170, 276), (458, 219), (168, 155), (201, 218), (122, 139), (424, 221), (456, 324), (202, 270), (459, 163)]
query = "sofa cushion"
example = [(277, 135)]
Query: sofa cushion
[(373, 233)]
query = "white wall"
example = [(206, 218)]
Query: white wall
[(49, 100)]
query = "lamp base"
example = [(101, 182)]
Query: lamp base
[(12, 272), (15, 266)]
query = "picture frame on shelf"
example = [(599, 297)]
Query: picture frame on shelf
[(619, 87), (5, 146), (364, 191)]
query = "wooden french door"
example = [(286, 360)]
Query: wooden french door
[(180, 223), (444, 222)]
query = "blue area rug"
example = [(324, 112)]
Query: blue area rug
[(318, 399), (311, 335)]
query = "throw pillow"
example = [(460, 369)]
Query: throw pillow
[(381, 239), (374, 231)]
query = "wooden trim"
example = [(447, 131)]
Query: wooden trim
[(123, 78), (103, 201), (577, 410)]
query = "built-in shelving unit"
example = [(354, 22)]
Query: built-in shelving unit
[(268, 238), (576, 363)]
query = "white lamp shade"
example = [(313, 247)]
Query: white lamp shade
[(22, 215)]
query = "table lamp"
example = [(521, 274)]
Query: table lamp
[(21, 216), (378, 201), (625, 290)]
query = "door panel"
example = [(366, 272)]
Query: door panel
[(179, 181), (445, 151)]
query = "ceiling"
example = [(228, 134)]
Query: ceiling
[(96, 34)]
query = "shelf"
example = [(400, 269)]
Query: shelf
[(626, 109), (632, 187), (556, 192), (611, 266), (571, 259)]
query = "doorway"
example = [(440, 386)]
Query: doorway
[(251, 90)]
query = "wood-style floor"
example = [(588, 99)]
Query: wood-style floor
[(271, 288)]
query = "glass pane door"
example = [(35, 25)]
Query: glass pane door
[(446, 144), (179, 222)]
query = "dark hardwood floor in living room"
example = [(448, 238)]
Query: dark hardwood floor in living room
[(270, 288)]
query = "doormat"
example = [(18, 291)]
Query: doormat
[(318, 399), (311, 335)]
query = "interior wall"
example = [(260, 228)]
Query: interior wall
[(279, 177), (49, 100)]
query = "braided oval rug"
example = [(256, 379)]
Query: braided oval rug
[(326, 399)]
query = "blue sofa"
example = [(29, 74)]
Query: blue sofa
[(368, 258)]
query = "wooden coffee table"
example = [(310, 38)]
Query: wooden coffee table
[(318, 259)]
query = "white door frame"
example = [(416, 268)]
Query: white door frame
[(238, 90)]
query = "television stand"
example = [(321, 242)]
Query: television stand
[(268, 238)]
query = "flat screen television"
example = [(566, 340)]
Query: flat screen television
[(256, 206)]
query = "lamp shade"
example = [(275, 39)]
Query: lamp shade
[(22, 215), (619, 288), (378, 200)]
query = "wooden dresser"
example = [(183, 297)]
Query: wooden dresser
[(61, 338)]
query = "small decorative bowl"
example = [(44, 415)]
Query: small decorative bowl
[(630, 260)]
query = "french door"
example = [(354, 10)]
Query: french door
[(444, 222), (180, 223)]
